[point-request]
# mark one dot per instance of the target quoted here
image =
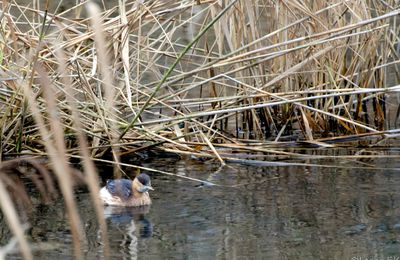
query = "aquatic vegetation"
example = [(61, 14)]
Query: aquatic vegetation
[(209, 79), (139, 78)]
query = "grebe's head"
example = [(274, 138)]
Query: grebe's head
[(142, 183)]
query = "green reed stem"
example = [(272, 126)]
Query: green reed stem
[(171, 69)]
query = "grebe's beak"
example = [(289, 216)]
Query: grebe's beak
[(145, 188)]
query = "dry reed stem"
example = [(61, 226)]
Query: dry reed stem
[(89, 167), (125, 50), (13, 222), (57, 153), (276, 103), (156, 171), (104, 65)]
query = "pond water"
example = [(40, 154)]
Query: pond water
[(293, 212)]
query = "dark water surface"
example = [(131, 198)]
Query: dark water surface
[(260, 213)]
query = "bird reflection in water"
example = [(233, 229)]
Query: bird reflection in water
[(131, 224)]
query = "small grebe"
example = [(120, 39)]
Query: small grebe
[(127, 193)]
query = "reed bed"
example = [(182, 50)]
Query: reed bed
[(208, 79), (179, 74)]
